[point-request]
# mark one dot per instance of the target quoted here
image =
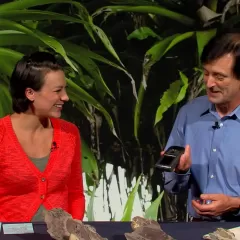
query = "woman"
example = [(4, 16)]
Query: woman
[(40, 159)]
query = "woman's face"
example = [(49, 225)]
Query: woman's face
[(49, 100)]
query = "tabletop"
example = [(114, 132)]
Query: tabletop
[(116, 230)]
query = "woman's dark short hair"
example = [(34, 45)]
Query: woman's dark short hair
[(29, 72), (221, 45)]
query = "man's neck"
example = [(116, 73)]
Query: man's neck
[(226, 108)]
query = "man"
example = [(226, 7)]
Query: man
[(209, 129)]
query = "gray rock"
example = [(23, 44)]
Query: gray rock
[(146, 229)]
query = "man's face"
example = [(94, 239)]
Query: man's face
[(221, 85)]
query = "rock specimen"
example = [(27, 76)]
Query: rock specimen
[(61, 226), (146, 229), (220, 234)]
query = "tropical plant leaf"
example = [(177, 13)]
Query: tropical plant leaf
[(127, 214), (93, 70), (143, 33), (183, 89), (14, 38), (227, 7), (79, 104), (5, 101), (90, 207), (168, 99), (49, 41), (212, 4), (134, 2), (8, 58), (89, 162), (202, 39), (20, 15), (79, 52), (153, 55), (106, 42), (25, 4), (152, 211), (82, 95), (149, 10)]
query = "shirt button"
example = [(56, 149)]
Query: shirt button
[(42, 196), (214, 150), (43, 179), (221, 124), (212, 176)]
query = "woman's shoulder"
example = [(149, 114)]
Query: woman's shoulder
[(67, 126), (3, 121)]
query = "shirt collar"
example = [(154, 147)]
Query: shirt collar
[(211, 109)]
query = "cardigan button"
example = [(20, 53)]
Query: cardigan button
[(43, 179), (42, 196)]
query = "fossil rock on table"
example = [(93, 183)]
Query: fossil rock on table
[(146, 229), (61, 226), (220, 234)]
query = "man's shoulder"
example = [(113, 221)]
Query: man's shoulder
[(197, 105)]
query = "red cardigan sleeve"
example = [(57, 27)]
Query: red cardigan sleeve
[(76, 191)]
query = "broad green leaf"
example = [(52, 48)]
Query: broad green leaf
[(153, 55), (127, 214), (158, 50), (183, 89), (152, 211), (143, 33), (147, 9), (202, 39), (168, 99), (5, 101), (89, 162), (49, 41)]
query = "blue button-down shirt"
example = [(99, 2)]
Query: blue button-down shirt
[(215, 151)]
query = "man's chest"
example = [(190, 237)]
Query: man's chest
[(215, 149)]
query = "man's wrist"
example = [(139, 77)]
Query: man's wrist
[(181, 171), (235, 203)]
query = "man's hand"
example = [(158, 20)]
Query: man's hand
[(185, 161), (220, 204)]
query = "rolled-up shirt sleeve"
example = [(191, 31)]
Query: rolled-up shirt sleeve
[(175, 182)]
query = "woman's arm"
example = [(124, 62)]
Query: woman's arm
[(76, 192)]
